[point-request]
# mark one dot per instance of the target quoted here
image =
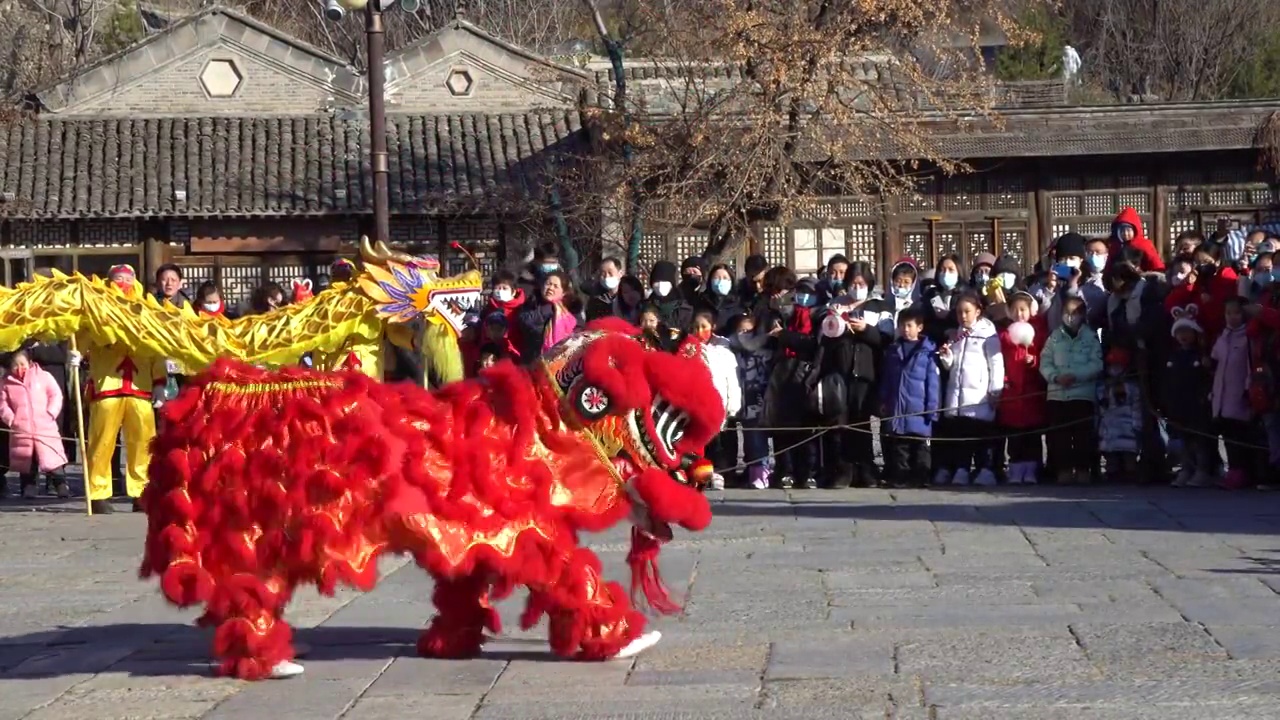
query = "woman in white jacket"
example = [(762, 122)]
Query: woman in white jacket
[(724, 373), (976, 377)]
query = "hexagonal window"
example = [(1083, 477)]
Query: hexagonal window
[(460, 82), (221, 78)]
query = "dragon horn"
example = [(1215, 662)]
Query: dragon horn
[(458, 246), (379, 254)]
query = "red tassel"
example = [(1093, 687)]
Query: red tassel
[(645, 576)]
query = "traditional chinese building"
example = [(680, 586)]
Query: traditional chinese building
[(242, 154)]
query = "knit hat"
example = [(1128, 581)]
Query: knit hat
[(694, 261), (1185, 318), (985, 258), (1006, 264), (1069, 245), (664, 271)]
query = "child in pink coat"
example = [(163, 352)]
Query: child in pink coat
[(29, 407)]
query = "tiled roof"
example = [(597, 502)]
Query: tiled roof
[(246, 166)]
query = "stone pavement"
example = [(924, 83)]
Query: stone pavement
[(1034, 604)]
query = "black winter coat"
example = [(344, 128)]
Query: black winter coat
[(726, 309), (1184, 388)]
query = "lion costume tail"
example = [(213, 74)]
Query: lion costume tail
[(251, 492)]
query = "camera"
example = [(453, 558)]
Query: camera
[(333, 11)]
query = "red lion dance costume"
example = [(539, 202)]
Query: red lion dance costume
[(265, 480)]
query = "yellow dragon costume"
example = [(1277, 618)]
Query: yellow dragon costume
[(127, 334)]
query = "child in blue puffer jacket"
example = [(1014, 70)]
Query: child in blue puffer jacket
[(909, 400)]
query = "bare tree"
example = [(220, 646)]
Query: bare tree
[(1170, 49), (756, 108)]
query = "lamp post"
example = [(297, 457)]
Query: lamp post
[(375, 56)]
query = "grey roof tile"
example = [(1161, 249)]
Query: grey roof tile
[(117, 167)]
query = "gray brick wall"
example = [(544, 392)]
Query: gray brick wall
[(428, 92), (177, 89)]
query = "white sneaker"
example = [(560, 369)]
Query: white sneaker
[(717, 482), (985, 478), (285, 669), (942, 477), (640, 644), (961, 477)]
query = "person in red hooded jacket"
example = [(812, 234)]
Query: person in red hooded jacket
[(1126, 230)]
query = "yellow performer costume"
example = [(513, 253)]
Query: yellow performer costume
[(120, 397)]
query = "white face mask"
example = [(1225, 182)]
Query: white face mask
[(504, 294), (1007, 280), (859, 294), (611, 283), (1072, 262), (212, 307), (662, 288)]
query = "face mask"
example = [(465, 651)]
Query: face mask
[(860, 294), (949, 279), (805, 299), (983, 277), (212, 307), (662, 288), (504, 294), (611, 283), (902, 292), (549, 267), (1007, 280), (721, 286), (1098, 262), (1073, 320), (1262, 278), (1072, 262)]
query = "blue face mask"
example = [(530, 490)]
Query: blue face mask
[(949, 279), (721, 286), (549, 267), (1262, 278), (901, 292), (1098, 262), (805, 299)]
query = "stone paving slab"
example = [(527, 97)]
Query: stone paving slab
[(1040, 604)]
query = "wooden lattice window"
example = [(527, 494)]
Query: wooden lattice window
[(775, 245), (1228, 198), (1177, 226), (1014, 244), (690, 244), (962, 193), (653, 247), (1006, 193), (1065, 205), (863, 243), (977, 242), (948, 244), (915, 244)]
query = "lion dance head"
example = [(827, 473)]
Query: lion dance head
[(650, 413)]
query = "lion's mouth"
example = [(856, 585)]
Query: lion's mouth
[(668, 425)]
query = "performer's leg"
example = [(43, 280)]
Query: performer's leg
[(251, 640), (104, 426), (590, 619), (139, 428), (462, 615)]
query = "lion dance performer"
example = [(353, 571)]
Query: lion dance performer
[(123, 385), (264, 481)]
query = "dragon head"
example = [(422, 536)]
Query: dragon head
[(405, 289), (649, 411)]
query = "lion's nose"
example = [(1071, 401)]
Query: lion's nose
[(698, 469)]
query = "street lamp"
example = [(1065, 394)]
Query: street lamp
[(376, 51)]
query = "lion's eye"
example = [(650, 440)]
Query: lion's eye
[(591, 402)]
